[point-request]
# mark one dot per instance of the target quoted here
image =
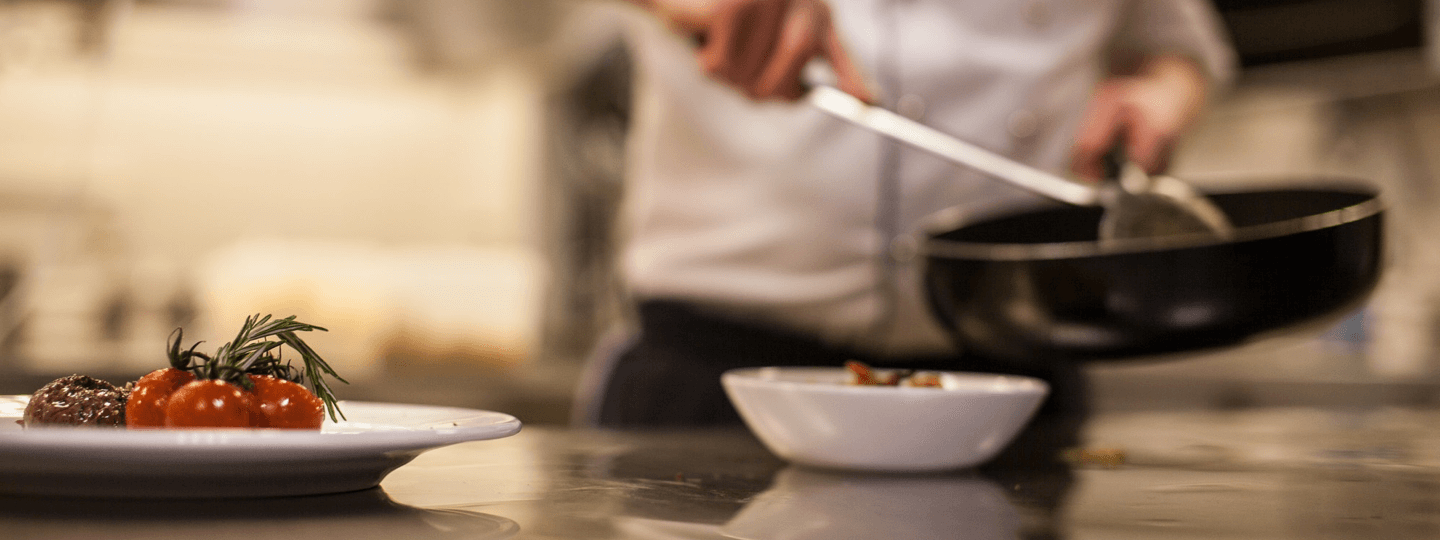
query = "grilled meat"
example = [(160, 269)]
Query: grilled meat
[(78, 400)]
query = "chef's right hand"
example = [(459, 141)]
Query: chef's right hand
[(761, 47), (1149, 110)]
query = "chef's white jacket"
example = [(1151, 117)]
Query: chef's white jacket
[(779, 213)]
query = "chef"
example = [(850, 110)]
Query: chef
[(761, 231)]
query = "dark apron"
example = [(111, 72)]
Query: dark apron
[(670, 376)]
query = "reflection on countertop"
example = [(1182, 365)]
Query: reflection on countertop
[(368, 514), (1274, 473), (804, 504)]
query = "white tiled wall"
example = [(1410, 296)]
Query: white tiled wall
[(206, 146)]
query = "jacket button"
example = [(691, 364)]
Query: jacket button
[(1037, 14), (905, 249), (1022, 124), (911, 106)]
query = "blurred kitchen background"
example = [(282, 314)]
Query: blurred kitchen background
[(434, 181)]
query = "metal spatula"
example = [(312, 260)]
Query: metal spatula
[(1136, 205)]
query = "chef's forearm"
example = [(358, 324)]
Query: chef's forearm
[(683, 14)]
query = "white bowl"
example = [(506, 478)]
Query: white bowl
[(810, 416)]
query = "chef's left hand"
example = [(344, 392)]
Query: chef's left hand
[(1148, 109)]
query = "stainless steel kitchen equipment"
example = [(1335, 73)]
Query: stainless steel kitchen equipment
[(1136, 204)]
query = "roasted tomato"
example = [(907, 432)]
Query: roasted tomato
[(146, 408), (211, 403), (287, 405), (173, 398), (244, 384)]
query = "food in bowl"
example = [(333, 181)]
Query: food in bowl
[(862, 374), (811, 416)]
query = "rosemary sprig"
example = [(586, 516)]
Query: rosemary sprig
[(183, 360), (250, 353)]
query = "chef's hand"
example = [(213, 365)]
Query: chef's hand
[(1148, 109), (761, 46)]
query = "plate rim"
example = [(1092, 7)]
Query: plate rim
[(231, 463), (493, 425)]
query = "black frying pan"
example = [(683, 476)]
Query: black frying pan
[(1039, 286)]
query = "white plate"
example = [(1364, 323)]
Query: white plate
[(353, 454)]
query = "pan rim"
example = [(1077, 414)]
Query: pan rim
[(949, 220)]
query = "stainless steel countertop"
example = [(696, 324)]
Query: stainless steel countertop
[(1271, 473)]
